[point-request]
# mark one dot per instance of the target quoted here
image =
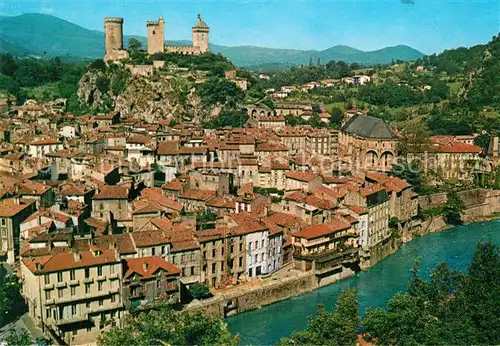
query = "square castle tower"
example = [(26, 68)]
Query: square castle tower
[(156, 38)]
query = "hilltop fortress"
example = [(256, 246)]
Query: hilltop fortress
[(113, 32)]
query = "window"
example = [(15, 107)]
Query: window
[(256, 258), (256, 244), (153, 252), (87, 288), (213, 267), (99, 271), (73, 310), (222, 251), (59, 277), (74, 332), (47, 295), (101, 206), (232, 249), (60, 293), (87, 305), (73, 290), (87, 273), (240, 262), (113, 298), (192, 270), (213, 253), (72, 274), (241, 247), (48, 313), (99, 286), (47, 279), (111, 269), (263, 242), (3, 222), (163, 250), (249, 246), (101, 302)]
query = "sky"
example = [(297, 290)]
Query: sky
[(427, 25)]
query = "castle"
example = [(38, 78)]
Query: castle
[(113, 29)]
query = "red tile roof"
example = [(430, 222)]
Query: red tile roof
[(448, 144), (301, 176), (68, 260), (112, 192), (147, 267), (322, 230)]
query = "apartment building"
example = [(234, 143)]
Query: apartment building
[(74, 296)]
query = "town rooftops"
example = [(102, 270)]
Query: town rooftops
[(301, 176), (366, 126)]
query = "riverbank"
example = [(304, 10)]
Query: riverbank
[(287, 283), (375, 286)]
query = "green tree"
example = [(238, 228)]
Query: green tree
[(19, 339), (167, 327), (134, 44), (98, 65), (453, 208), (482, 141), (11, 301), (330, 328), (199, 291)]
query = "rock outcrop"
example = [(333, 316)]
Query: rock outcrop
[(147, 98)]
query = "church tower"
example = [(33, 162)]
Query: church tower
[(156, 36), (200, 35)]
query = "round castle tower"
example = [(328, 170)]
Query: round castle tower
[(200, 35), (113, 30)]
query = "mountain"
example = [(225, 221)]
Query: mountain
[(46, 35)]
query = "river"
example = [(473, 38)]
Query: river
[(375, 286)]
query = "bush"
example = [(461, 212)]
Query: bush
[(199, 291)]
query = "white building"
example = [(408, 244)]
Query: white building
[(256, 253), (40, 147)]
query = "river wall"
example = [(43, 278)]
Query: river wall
[(243, 298), (479, 203)]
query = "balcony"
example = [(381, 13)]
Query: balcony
[(101, 278), (113, 276), (63, 321), (74, 282), (48, 286), (61, 285), (88, 280), (113, 306), (114, 290)]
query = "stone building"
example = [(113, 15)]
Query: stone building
[(367, 142), (113, 38), (156, 38)]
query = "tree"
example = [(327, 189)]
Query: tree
[(167, 327), (414, 140), (97, 64), (330, 328), (199, 291), (482, 141), (336, 115), (11, 301), (8, 65), (451, 308), (233, 119), (134, 44), (453, 208), (19, 339)]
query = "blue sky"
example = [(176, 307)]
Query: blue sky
[(428, 25)]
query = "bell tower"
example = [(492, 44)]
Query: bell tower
[(200, 35)]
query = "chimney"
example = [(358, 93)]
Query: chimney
[(77, 256), (145, 266), (38, 266)]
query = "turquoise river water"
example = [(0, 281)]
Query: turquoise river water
[(375, 286)]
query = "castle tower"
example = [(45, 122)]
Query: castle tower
[(156, 36), (113, 32), (200, 35)]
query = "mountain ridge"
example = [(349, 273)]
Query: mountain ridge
[(47, 35)]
